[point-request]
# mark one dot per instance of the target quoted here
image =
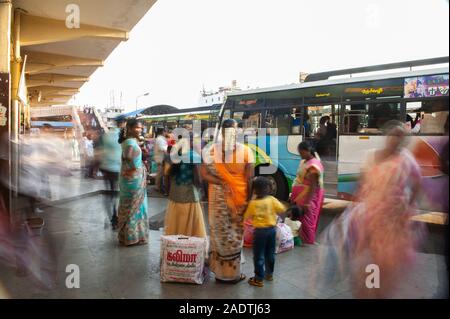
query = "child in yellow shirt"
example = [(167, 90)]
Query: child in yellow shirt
[(263, 211)]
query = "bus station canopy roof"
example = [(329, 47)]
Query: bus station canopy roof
[(156, 109), (61, 59), (129, 114)]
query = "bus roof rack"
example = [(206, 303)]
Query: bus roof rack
[(389, 66)]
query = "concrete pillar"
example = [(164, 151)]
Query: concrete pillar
[(15, 77), (5, 29), (16, 61), (5, 103)]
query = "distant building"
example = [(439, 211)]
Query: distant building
[(209, 98), (302, 76), (110, 113)]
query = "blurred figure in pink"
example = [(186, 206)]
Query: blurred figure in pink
[(377, 228)]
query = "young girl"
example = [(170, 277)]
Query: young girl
[(263, 211), (293, 221)]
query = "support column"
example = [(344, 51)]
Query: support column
[(16, 61), (5, 103)]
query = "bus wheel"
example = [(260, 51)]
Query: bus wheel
[(279, 184)]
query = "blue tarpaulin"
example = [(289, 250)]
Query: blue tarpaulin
[(51, 123), (130, 114)]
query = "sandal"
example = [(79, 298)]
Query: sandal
[(243, 277), (255, 282)]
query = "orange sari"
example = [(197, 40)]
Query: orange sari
[(227, 203)]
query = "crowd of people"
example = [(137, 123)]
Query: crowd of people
[(388, 191), (233, 194), (375, 229)]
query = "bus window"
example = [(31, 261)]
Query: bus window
[(313, 118), (238, 116), (226, 114), (296, 121), (427, 117), (280, 119), (252, 120), (369, 118), (248, 120)]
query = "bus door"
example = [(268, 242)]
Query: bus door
[(287, 121), (320, 128)]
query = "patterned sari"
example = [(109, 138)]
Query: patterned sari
[(310, 219), (133, 216), (227, 203), (377, 228)]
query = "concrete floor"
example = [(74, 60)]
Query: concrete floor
[(77, 233)]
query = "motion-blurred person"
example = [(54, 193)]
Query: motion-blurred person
[(109, 154), (29, 254), (88, 155), (442, 291), (159, 153), (308, 192), (377, 228), (75, 147), (133, 215)]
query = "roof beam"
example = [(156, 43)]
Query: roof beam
[(38, 62), (53, 79), (55, 97), (62, 90), (39, 30), (49, 103)]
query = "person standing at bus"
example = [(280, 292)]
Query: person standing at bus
[(309, 191), (321, 136), (307, 125), (159, 153), (230, 189), (133, 216)]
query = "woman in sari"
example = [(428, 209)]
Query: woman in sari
[(229, 172), (133, 216), (184, 215), (310, 194), (377, 228)]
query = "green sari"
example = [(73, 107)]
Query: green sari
[(133, 215)]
